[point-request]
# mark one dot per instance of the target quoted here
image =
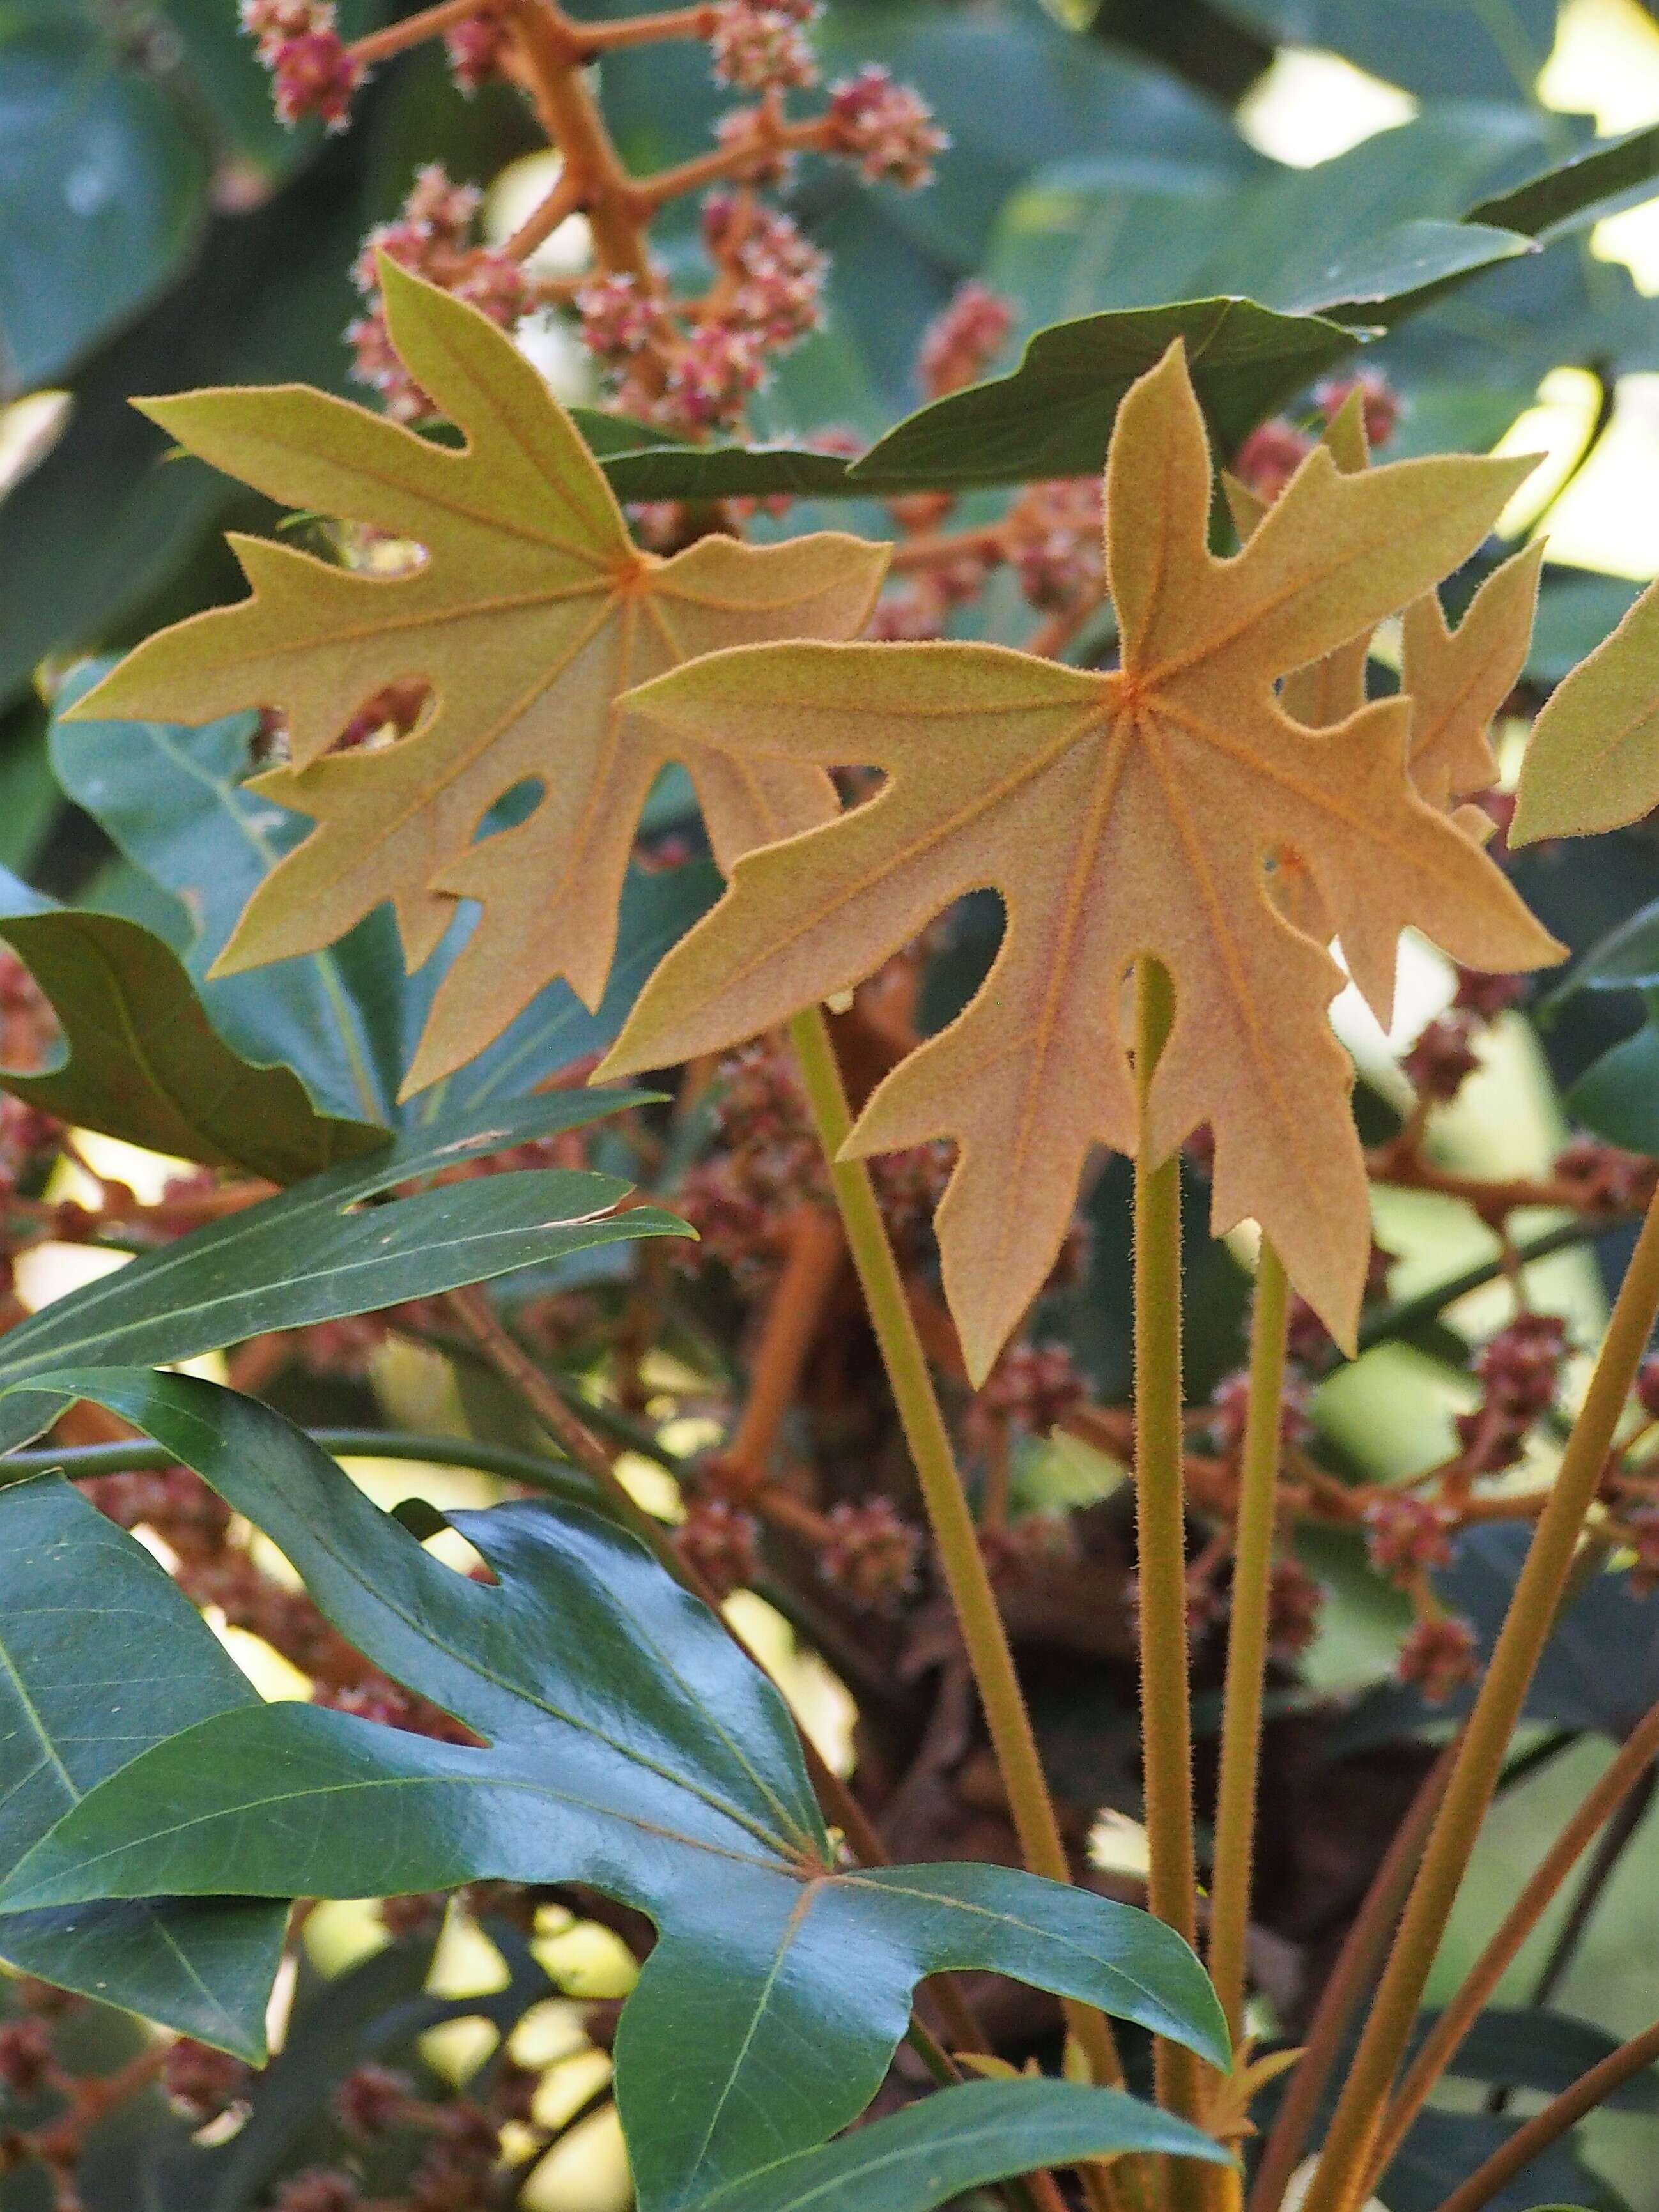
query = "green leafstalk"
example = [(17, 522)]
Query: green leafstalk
[(1166, 1704), (983, 1635), (1359, 2112), (1247, 1642)]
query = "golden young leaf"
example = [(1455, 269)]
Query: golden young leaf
[(1592, 762), (1456, 679), (1118, 815), (530, 612)]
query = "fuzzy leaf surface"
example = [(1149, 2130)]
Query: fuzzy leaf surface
[(321, 1250), (927, 2154), (1592, 762), (531, 613), (142, 1060), (1118, 816), (628, 1744), (101, 1657)]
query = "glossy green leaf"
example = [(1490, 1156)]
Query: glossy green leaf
[(141, 1060), (100, 1657), (103, 190), (631, 1745), (1569, 195), (346, 1019), (925, 2155), (320, 1251), (1052, 416), (1391, 277)]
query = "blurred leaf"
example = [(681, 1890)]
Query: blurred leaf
[(1441, 49), (1374, 228), (1570, 195), (1053, 416), (1525, 2048), (1016, 95), (103, 194), (1443, 2149), (96, 532), (925, 2154), (1576, 610), (1617, 1096), (100, 1657), (143, 1061), (1627, 960), (631, 1744), (320, 1251)]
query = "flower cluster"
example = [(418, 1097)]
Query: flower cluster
[(887, 127), (433, 236), (313, 71), (763, 46)]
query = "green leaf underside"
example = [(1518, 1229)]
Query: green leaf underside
[(319, 1251), (927, 2154), (101, 1657), (141, 1060), (631, 1746)]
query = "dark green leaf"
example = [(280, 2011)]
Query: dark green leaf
[(927, 2154), (103, 190), (1053, 416), (143, 1061), (100, 1657), (631, 1745), (1627, 959), (1524, 2048), (1618, 1096), (1393, 275), (318, 1251), (1569, 195), (1443, 2149), (346, 1019)]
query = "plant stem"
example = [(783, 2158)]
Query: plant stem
[(1621, 1834), (1247, 1642), (983, 1633), (1548, 2126), (550, 49), (1532, 1612), (647, 30), (413, 30), (813, 1250), (1633, 1764), (1351, 1976), (1161, 1545)]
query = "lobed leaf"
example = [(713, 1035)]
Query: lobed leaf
[(530, 612), (1118, 816), (629, 1744)]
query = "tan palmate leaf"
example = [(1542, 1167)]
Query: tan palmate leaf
[(530, 612), (1592, 762), (1118, 815)]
